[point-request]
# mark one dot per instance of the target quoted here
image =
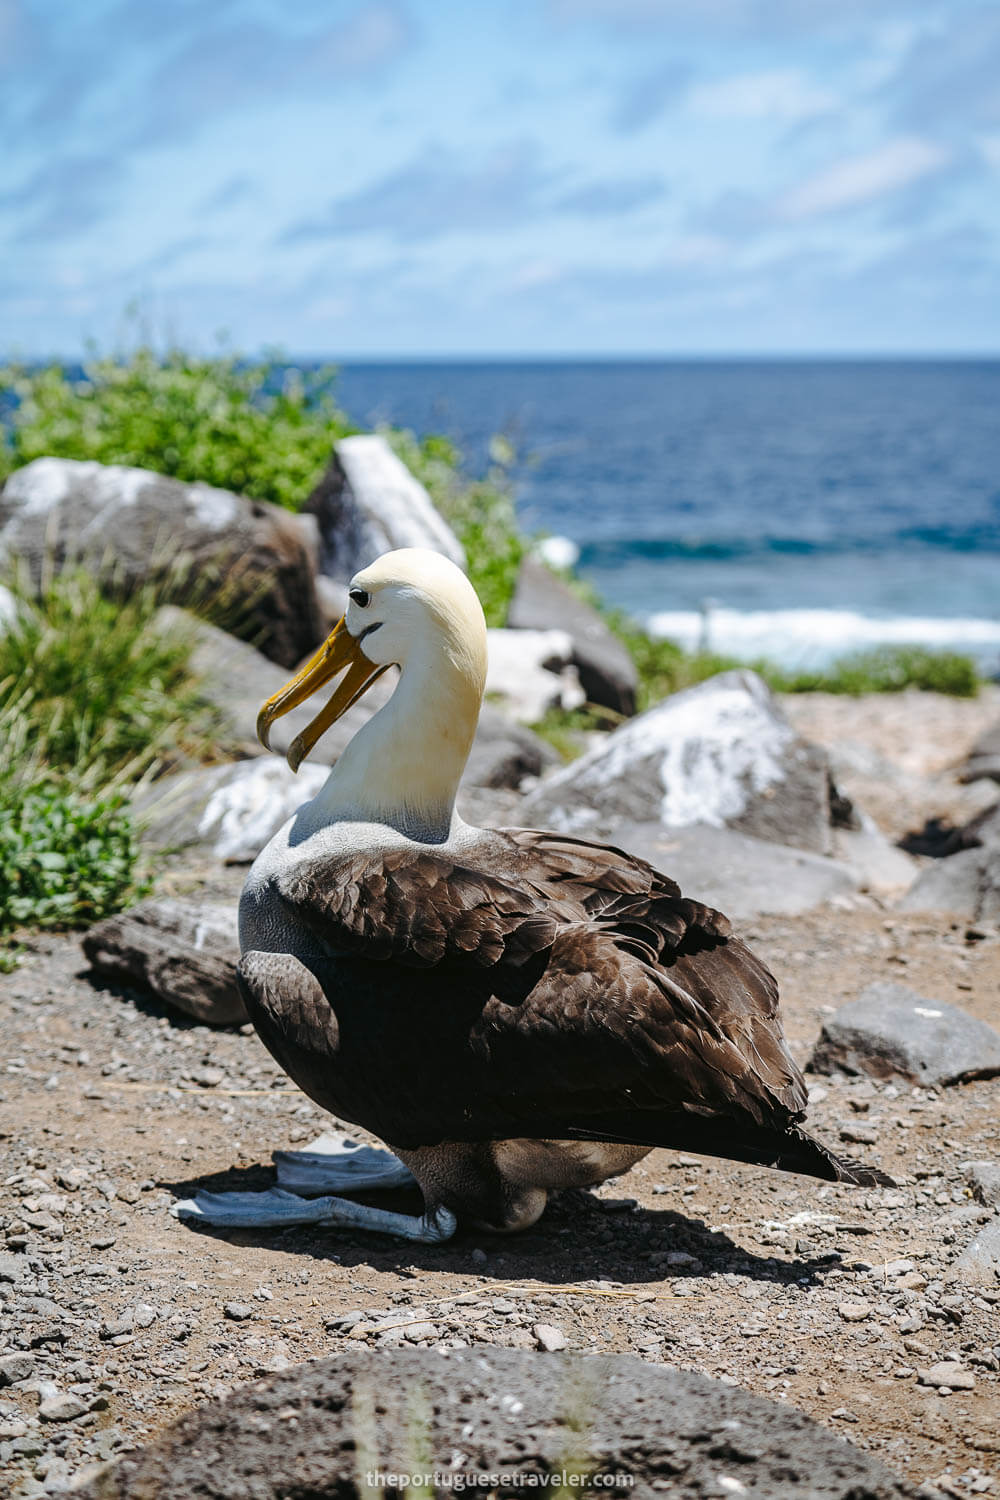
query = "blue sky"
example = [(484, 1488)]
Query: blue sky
[(408, 177)]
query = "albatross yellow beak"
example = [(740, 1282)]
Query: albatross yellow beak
[(339, 650)]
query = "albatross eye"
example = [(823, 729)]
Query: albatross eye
[(360, 597)]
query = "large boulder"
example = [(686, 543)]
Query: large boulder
[(248, 559), (982, 831), (368, 503), (891, 1031), (741, 876), (721, 753), (355, 1423), (183, 952), (965, 885), (606, 670)]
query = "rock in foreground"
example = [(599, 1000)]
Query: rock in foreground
[(721, 753), (183, 952), (892, 1032), (318, 1429)]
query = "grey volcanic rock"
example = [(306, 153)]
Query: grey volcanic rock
[(966, 885), (231, 809), (183, 952), (979, 1262), (531, 671), (984, 1180), (367, 503), (741, 876), (505, 752), (721, 753), (984, 757), (195, 542), (310, 1430), (891, 1031), (234, 809), (543, 602), (982, 831)]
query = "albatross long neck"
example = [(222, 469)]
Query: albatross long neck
[(403, 767)]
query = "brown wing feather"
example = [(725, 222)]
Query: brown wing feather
[(602, 989)]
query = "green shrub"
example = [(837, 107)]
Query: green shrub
[(91, 689), (258, 428), (64, 861), (883, 669), (92, 697)]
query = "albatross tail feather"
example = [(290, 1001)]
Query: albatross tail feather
[(789, 1150)]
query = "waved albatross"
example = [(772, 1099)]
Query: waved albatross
[(511, 1011)]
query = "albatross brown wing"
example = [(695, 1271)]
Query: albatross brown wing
[(559, 989)]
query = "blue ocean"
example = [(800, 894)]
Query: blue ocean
[(794, 509)]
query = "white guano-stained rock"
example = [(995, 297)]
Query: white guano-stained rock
[(531, 671), (368, 503), (720, 754), (254, 800)]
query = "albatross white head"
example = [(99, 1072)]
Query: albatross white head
[(416, 610)]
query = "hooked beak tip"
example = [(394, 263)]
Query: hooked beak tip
[(296, 753)]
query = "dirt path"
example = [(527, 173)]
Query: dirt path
[(110, 1108)]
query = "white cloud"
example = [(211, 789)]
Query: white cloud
[(696, 250), (989, 146), (781, 94), (861, 179), (539, 272)]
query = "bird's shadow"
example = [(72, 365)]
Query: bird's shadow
[(148, 1004), (576, 1239)]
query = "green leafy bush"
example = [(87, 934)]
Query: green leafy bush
[(64, 861), (884, 669), (93, 695), (259, 428)]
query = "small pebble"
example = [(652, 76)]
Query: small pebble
[(948, 1374), (15, 1367), (549, 1338), (63, 1407), (238, 1311)]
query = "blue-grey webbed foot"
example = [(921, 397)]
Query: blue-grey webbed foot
[(276, 1209), (336, 1164)]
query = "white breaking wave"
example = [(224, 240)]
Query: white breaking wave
[(815, 637)]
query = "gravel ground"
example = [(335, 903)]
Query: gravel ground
[(116, 1318)]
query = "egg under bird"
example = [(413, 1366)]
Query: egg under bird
[(511, 1011)]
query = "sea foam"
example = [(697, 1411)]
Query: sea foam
[(815, 637)]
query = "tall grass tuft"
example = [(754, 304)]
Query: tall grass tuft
[(93, 696), (92, 690)]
